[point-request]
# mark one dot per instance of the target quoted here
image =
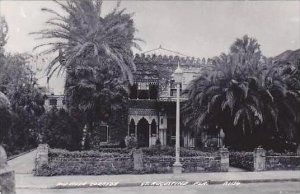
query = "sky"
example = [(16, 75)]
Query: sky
[(194, 28)]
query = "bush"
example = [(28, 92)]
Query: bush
[(81, 154), (242, 160), (286, 153), (170, 151), (60, 130), (131, 142), (122, 143)]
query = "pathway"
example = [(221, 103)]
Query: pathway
[(23, 164)]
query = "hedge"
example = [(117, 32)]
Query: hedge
[(244, 160)]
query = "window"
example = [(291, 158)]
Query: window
[(103, 133), (143, 86), (173, 89), (53, 102)]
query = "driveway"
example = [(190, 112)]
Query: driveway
[(23, 164)]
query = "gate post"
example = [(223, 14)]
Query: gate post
[(7, 176), (138, 159), (224, 154), (259, 157)]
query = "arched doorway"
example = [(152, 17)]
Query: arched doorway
[(153, 127), (143, 133), (131, 128)]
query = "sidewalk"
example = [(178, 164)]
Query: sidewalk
[(30, 181)]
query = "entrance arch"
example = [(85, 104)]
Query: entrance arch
[(153, 127), (143, 133), (132, 128)]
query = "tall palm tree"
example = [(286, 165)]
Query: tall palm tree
[(95, 51), (243, 93), (86, 37)]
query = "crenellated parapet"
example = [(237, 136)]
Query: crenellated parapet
[(169, 59)]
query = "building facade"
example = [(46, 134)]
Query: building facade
[(152, 107), (152, 103)]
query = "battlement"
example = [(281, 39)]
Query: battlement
[(169, 59)]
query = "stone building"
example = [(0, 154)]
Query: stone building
[(152, 103), (152, 107)]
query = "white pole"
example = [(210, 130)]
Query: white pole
[(178, 124), (177, 167)]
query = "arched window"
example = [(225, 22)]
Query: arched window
[(132, 127), (133, 91), (153, 127), (153, 91)]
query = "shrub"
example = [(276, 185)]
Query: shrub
[(131, 142), (170, 151), (122, 143), (242, 160)]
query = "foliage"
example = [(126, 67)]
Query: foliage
[(95, 51), (245, 94), (242, 160), (170, 151), (3, 35), (58, 129), (131, 142), (82, 154), (18, 83)]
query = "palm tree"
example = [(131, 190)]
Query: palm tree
[(95, 51), (243, 93), (84, 37)]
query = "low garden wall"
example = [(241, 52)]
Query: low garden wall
[(283, 162), (50, 162), (260, 160)]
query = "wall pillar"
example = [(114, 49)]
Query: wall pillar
[(259, 156), (41, 158), (150, 136), (224, 154), (298, 150), (7, 176), (138, 159)]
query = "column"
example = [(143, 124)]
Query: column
[(157, 135), (259, 157), (135, 130), (177, 167), (128, 130), (150, 135)]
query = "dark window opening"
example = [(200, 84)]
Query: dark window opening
[(132, 127), (143, 94), (53, 102), (103, 133), (153, 127), (153, 91), (133, 91)]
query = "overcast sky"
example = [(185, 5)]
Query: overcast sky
[(195, 28)]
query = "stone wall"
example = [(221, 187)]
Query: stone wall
[(61, 162), (164, 164), (83, 163), (259, 160), (282, 163)]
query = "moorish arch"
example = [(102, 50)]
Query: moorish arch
[(143, 132), (131, 127), (153, 127)]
